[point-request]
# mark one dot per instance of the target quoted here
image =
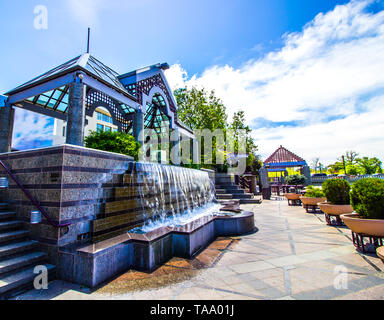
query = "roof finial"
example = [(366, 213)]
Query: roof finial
[(89, 37)]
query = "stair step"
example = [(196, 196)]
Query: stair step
[(251, 201), (238, 191), (14, 248), (227, 186), (243, 196), (4, 206), (224, 196), (7, 215), (13, 235), (21, 279), (21, 261), (9, 225)]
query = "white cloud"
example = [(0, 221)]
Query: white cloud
[(333, 69), (39, 133)]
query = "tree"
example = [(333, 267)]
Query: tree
[(336, 167), (200, 110), (350, 157), (353, 169), (237, 124), (369, 165), (295, 179), (118, 142), (315, 163)]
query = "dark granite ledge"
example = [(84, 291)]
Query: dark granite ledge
[(159, 233)]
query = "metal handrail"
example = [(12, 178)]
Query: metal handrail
[(30, 197)]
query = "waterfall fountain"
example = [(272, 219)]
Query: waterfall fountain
[(115, 214), (175, 214)]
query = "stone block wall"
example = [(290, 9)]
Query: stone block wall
[(71, 183), (101, 194)]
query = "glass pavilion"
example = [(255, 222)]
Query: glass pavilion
[(138, 100)]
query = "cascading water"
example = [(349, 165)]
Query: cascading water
[(171, 196)]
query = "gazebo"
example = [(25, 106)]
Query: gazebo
[(71, 92), (278, 162)]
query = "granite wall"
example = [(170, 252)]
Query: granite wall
[(73, 184), (101, 194)]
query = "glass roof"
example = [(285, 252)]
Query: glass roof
[(55, 99), (155, 118), (104, 72), (65, 66), (87, 62), (127, 109)]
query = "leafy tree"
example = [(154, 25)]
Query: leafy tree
[(315, 163), (336, 167), (369, 165), (237, 124), (118, 142), (295, 179), (200, 110), (256, 165), (353, 169), (351, 156)]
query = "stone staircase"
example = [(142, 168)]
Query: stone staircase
[(19, 255), (226, 189)]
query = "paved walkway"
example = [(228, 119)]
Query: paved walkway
[(294, 255)]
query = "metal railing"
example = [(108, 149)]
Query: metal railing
[(32, 199), (350, 179)]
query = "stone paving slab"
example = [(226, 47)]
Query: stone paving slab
[(294, 255)]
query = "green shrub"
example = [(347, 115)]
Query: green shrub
[(118, 142), (337, 191), (367, 198), (295, 179), (312, 192)]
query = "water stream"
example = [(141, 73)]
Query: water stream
[(170, 195)]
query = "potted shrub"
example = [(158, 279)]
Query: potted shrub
[(338, 200), (312, 197), (293, 196), (367, 199)]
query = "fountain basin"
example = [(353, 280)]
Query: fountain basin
[(94, 264)]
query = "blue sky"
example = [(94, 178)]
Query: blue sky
[(130, 34), (208, 43)]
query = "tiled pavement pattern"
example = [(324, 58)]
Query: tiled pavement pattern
[(294, 255)]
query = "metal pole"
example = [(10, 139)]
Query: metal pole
[(89, 36)]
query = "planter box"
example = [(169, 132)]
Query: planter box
[(292, 196), (334, 209), (369, 227)]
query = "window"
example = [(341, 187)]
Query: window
[(103, 117), (64, 131), (108, 129), (99, 127)]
